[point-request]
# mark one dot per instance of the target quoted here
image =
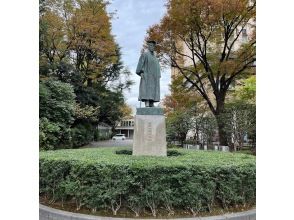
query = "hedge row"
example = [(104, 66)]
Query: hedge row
[(101, 179)]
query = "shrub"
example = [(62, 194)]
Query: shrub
[(49, 133), (130, 152), (173, 153), (240, 120), (178, 124), (124, 151), (102, 178), (170, 145), (57, 102), (101, 136), (82, 134)]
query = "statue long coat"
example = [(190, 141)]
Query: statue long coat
[(150, 82)]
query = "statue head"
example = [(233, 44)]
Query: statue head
[(151, 45)]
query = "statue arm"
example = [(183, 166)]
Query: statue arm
[(140, 65)]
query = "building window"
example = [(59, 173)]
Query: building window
[(244, 33)]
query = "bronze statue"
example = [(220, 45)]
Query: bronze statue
[(149, 70)]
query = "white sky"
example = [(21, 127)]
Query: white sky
[(132, 19)]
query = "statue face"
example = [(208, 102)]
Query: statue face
[(151, 46)]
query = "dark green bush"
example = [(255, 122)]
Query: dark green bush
[(130, 152), (174, 153), (124, 151), (49, 134), (82, 134), (101, 136), (57, 103), (103, 179)]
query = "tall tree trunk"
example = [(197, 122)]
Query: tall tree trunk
[(221, 131), (89, 82), (220, 105), (183, 138)]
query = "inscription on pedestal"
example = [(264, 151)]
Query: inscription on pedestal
[(149, 132)]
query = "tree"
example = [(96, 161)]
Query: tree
[(206, 126), (188, 101), (57, 104), (247, 90), (240, 113), (87, 112), (76, 44), (209, 30), (181, 97), (240, 120), (77, 47), (79, 32), (126, 110), (57, 101), (178, 125)]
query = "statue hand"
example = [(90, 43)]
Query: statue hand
[(142, 75)]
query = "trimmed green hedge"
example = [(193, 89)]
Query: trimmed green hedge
[(170, 153), (194, 180)]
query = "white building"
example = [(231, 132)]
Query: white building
[(126, 127)]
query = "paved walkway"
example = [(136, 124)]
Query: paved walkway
[(47, 213), (110, 143)]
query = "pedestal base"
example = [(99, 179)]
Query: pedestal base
[(149, 132)]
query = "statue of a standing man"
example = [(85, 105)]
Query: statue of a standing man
[(149, 70)]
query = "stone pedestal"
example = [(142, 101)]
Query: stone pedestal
[(149, 132)]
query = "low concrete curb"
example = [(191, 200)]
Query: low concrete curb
[(47, 213)]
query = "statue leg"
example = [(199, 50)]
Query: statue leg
[(149, 103)]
